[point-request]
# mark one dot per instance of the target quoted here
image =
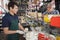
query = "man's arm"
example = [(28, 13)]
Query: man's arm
[(7, 31), (20, 26)]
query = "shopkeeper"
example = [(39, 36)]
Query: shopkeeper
[(10, 23)]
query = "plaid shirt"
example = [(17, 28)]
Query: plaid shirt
[(52, 12)]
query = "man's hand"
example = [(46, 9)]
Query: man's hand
[(20, 32), (26, 30)]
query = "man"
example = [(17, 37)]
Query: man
[(46, 18), (10, 23), (50, 10)]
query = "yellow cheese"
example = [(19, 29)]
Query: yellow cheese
[(46, 19), (57, 37)]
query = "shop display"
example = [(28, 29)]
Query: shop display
[(32, 35), (36, 26), (43, 36)]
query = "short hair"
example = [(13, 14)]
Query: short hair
[(11, 4), (49, 5)]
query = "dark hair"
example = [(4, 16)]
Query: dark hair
[(11, 4)]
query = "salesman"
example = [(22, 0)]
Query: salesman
[(10, 23)]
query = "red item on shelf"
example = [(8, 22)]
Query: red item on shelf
[(42, 37), (55, 21)]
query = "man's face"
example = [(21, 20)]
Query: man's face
[(15, 9), (48, 8)]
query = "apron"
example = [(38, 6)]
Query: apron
[(13, 26)]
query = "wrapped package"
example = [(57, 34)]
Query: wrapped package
[(42, 36)]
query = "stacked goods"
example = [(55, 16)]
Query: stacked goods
[(47, 18), (32, 35), (32, 14), (35, 14), (42, 36)]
